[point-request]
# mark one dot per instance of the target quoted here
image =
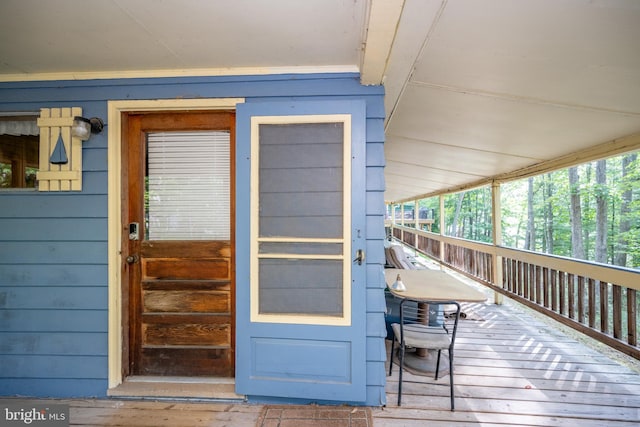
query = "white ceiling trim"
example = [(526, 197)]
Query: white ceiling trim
[(198, 72)]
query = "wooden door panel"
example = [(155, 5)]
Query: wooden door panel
[(185, 269), (187, 334), (162, 301), (181, 292), (186, 308), (177, 362), (186, 312)]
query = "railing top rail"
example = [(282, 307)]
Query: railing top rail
[(621, 276)]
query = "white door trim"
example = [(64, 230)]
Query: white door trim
[(115, 110)]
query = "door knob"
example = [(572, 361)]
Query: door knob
[(132, 259)]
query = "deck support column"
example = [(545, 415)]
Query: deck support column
[(442, 225), (496, 219)]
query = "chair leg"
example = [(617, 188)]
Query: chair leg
[(393, 341), (400, 374), (438, 364), (451, 378)]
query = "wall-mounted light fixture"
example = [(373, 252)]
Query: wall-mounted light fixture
[(83, 128)]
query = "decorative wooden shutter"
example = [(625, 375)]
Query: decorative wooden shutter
[(56, 142)]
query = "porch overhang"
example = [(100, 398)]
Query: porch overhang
[(475, 90)]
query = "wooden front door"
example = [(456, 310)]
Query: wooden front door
[(178, 243)]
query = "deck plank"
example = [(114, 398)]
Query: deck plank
[(157, 414)]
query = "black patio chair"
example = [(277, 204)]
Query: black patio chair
[(410, 333)]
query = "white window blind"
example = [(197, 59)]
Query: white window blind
[(188, 186)]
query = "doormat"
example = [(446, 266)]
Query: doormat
[(314, 416)]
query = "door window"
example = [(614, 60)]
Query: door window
[(187, 186)]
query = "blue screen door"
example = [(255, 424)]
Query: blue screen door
[(301, 310)]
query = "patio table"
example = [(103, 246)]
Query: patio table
[(429, 285)]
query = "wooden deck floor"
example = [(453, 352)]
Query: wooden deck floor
[(512, 369)]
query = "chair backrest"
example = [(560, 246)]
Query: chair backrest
[(428, 313), (396, 257)]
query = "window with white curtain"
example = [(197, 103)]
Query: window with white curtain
[(19, 150), (188, 186)]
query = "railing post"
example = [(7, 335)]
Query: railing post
[(416, 217), (496, 260), (442, 225), (402, 222)]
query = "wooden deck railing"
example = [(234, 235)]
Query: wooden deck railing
[(596, 299)]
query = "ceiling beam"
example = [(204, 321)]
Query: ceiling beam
[(384, 17)]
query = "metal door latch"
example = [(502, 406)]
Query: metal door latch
[(134, 231)]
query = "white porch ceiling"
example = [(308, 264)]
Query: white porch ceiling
[(475, 88)]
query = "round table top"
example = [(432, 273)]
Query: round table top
[(432, 285)]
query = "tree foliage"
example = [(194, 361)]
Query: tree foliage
[(590, 211), (468, 215)]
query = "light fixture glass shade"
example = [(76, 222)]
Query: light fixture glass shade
[(398, 285), (81, 128)]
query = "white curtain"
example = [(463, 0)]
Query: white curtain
[(19, 127)]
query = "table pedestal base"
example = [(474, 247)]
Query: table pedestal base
[(425, 365)]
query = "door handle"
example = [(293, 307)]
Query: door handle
[(360, 256), (132, 259)]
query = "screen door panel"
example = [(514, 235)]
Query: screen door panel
[(300, 203)]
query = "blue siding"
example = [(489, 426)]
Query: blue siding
[(375, 210), (53, 246), (60, 343)]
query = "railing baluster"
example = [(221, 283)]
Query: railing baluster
[(554, 289), (522, 290), (632, 318), (604, 307), (526, 280), (516, 283), (562, 292), (581, 307), (506, 274), (538, 281), (571, 295), (531, 275), (617, 311), (592, 303)]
